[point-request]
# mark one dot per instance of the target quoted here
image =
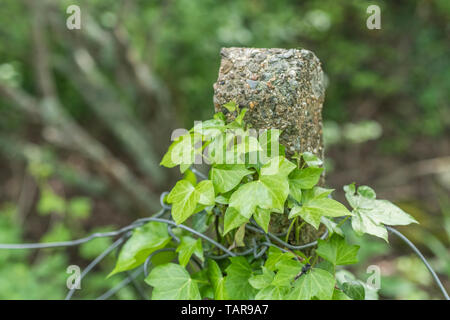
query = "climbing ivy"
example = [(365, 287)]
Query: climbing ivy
[(249, 181)]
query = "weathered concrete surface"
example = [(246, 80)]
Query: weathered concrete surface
[(282, 89)]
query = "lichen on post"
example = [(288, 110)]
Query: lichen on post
[(282, 89)]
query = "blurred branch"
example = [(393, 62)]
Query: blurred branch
[(19, 150), (145, 79), (26, 197), (52, 114), (408, 172), (74, 137), (152, 90), (102, 97), (96, 91), (44, 77)]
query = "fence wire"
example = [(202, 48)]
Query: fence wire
[(257, 249)]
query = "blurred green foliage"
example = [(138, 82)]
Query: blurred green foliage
[(390, 85), (399, 74)]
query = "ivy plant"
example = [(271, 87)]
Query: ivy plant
[(251, 180)]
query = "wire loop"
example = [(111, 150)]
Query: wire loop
[(126, 231)]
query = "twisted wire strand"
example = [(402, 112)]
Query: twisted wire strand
[(199, 174), (157, 218), (199, 234), (170, 231), (71, 243), (148, 261), (122, 284), (137, 286), (226, 255), (270, 244), (257, 255), (285, 244), (96, 261), (420, 255)]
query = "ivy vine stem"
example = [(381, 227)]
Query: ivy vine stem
[(297, 231), (342, 221), (289, 229)]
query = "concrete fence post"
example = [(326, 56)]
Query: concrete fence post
[(282, 89)]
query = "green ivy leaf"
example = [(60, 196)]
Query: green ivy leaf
[(237, 280), (205, 191), (287, 271), (305, 178), (163, 258), (388, 213), (190, 176), (182, 151), (279, 167), (275, 286), (269, 192), (172, 282), (247, 143), (262, 218), (233, 219), (316, 283), (260, 281), (363, 223), (274, 178), (217, 280), (187, 247), (295, 193), (145, 240), (272, 293), (370, 214), (222, 199), (230, 106), (339, 295), (266, 139), (354, 289), (276, 258), (332, 226), (248, 196), (240, 118), (311, 159), (367, 192), (204, 287), (184, 200), (317, 192), (209, 129), (337, 251), (314, 209), (239, 236), (227, 177), (219, 116), (200, 221), (218, 149)]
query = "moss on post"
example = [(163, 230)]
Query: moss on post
[(282, 89)]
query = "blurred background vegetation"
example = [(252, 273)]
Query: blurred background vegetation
[(85, 116)]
